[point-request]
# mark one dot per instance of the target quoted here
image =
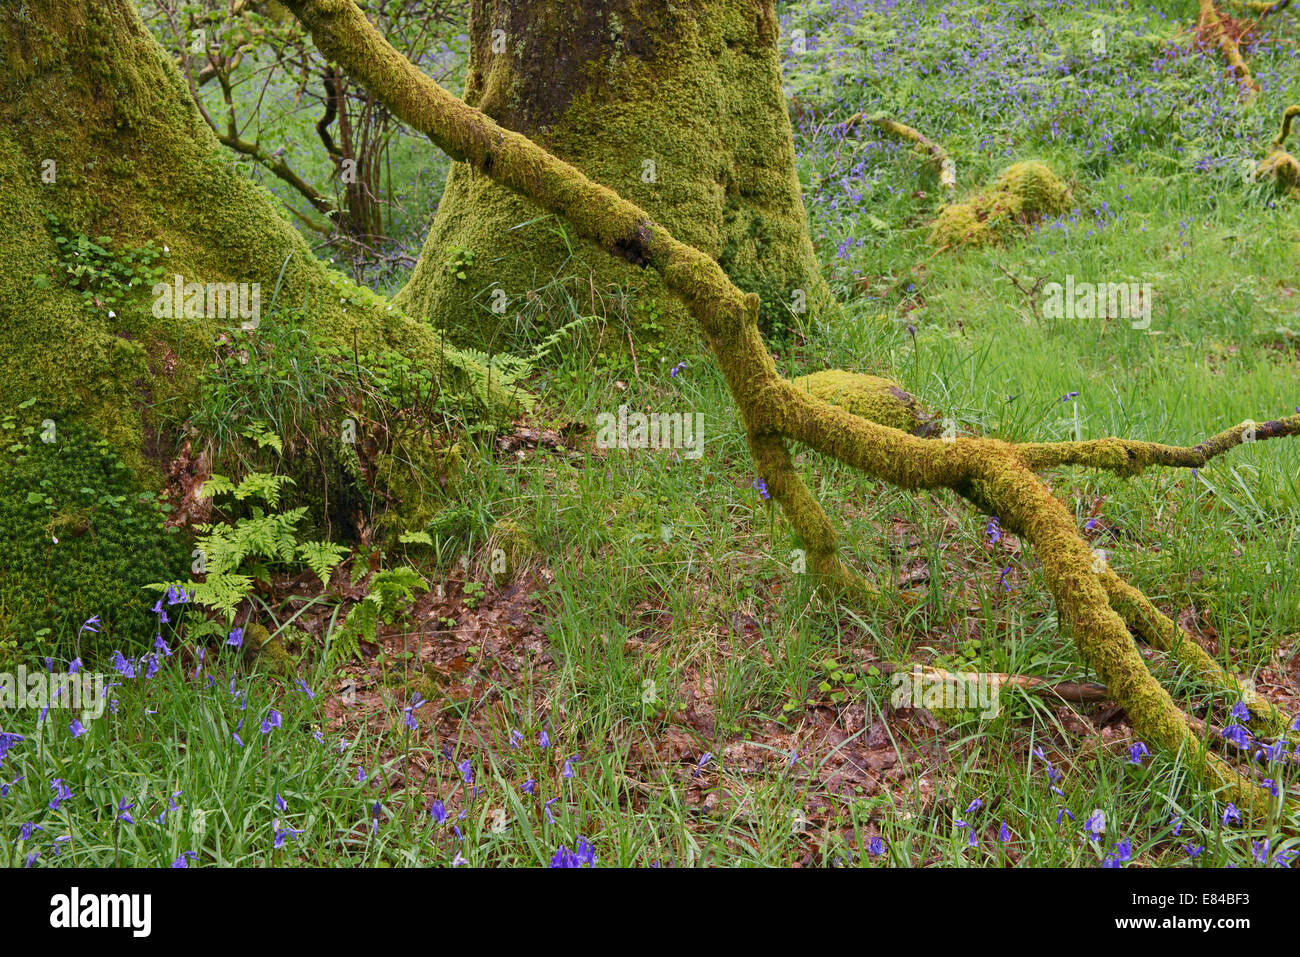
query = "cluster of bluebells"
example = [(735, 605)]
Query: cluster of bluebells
[(583, 854), (1000, 87), (140, 670)]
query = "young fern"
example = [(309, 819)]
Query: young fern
[(232, 558)]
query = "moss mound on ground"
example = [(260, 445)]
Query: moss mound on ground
[(1284, 169), (1280, 166), (871, 397), (1022, 194)]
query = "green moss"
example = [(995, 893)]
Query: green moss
[(1022, 194), (872, 397), (270, 651), (77, 539), (706, 109), (1280, 166)]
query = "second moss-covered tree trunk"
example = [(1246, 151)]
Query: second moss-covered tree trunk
[(677, 106)]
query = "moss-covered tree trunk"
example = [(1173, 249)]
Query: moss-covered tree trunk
[(98, 130), (677, 106)]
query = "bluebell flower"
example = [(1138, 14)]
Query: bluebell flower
[(8, 741), (1004, 833), (1236, 734), (236, 638), (1240, 712), (1193, 850), (122, 666), (77, 728), (565, 858), (466, 770), (438, 812), (61, 793), (1231, 815), (1120, 854), (876, 846), (184, 859), (1096, 824), (1137, 752), (124, 811), (409, 712)]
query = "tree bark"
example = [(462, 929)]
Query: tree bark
[(677, 106)]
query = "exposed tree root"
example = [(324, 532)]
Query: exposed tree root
[(997, 477), (1214, 28), (1075, 692), (944, 167)]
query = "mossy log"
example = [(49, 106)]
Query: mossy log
[(1213, 27)]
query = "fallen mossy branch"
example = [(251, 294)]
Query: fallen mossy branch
[(944, 166), (1213, 27), (1266, 9), (996, 476)]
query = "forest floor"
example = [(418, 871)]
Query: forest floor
[(654, 674)]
